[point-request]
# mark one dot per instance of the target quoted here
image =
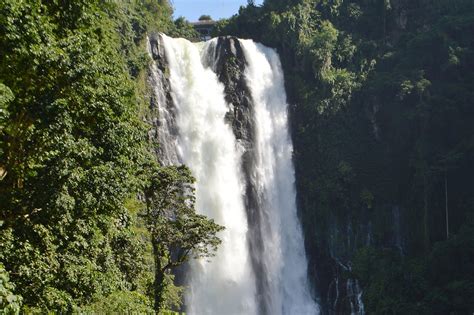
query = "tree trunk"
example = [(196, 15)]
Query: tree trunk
[(159, 283)]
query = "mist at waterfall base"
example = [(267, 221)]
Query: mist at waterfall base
[(205, 142)]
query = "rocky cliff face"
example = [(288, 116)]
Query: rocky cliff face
[(161, 115), (229, 64)]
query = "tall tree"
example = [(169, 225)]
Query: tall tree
[(177, 231)]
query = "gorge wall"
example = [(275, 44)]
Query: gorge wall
[(380, 117)]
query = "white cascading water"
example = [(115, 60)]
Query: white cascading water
[(284, 256), (226, 283)]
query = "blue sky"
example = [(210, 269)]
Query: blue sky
[(193, 9)]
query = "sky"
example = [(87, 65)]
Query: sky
[(193, 9)]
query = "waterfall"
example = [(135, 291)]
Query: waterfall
[(283, 257), (232, 282), (206, 144)]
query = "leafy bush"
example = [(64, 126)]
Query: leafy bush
[(9, 302)]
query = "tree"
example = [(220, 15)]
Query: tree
[(205, 17), (177, 231), (182, 28)]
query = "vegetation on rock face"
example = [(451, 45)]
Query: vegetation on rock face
[(381, 106), (438, 283), (184, 29), (74, 156)]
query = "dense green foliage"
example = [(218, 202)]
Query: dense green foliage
[(184, 29), (74, 156), (9, 302), (439, 283), (381, 95)]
